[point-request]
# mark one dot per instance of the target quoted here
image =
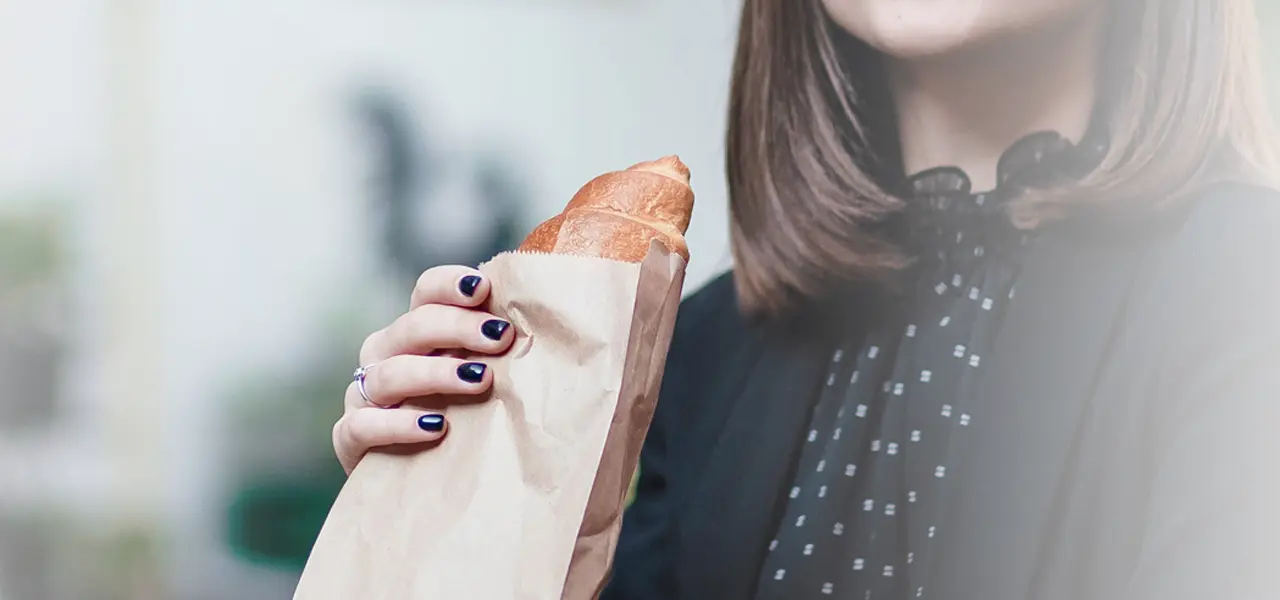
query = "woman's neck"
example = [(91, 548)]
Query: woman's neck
[(965, 110)]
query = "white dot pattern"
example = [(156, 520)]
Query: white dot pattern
[(897, 405), (896, 423)]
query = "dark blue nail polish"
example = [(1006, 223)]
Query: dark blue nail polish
[(494, 328), (471, 372), (431, 423), (467, 285)]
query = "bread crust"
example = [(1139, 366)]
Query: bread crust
[(617, 215)]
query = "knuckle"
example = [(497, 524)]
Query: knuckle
[(388, 378), (430, 313), (368, 345), (407, 331), (342, 440), (433, 324), (360, 432), (420, 323)]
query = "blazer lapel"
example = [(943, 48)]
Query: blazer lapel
[(731, 513)]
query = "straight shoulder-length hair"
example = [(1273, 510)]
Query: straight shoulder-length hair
[(1185, 107)]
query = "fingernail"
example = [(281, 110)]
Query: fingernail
[(494, 328), (431, 423), (471, 372), (467, 285)]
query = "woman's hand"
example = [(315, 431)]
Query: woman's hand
[(401, 361)]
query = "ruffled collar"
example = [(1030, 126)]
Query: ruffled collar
[(949, 220)]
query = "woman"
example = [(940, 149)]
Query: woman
[(1000, 324)]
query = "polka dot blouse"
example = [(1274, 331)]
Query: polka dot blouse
[(870, 492)]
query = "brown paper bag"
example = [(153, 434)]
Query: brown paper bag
[(524, 498)]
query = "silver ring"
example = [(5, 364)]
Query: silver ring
[(359, 377)]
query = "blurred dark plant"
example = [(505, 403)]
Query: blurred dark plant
[(34, 311), (32, 243), (286, 474), (425, 189)]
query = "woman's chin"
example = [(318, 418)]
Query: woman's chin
[(920, 47), (909, 34), (915, 29)]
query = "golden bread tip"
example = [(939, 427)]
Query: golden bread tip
[(669, 166)]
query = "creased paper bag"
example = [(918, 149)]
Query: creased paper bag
[(524, 498)]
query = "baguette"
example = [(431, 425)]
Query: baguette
[(617, 215)]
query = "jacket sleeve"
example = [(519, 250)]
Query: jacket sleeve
[(1212, 524)]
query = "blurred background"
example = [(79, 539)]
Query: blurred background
[(206, 204)]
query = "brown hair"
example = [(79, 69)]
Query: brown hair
[(806, 132)]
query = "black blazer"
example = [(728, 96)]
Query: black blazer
[(1133, 456)]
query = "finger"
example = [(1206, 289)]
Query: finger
[(360, 430), (450, 284), (353, 400), (392, 381), (436, 326)]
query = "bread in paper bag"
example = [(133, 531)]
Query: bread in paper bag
[(524, 498)]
